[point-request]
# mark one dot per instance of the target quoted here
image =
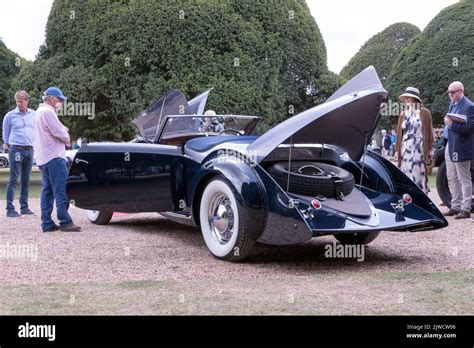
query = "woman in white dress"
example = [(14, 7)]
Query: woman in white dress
[(415, 138)]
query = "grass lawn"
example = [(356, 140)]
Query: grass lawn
[(432, 180), (396, 293), (35, 184)]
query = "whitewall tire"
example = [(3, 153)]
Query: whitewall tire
[(222, 228), (99, 217)]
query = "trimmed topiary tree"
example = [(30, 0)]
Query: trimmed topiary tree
[(441, 54), (381, 50), (121, 55), (10, 65)]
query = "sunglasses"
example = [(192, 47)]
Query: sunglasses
[(454, 92)]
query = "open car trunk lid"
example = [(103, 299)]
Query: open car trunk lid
[(347, 119)]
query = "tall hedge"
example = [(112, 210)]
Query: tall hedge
[(10, 65), (441, 54), (381, 50), (121, 55)]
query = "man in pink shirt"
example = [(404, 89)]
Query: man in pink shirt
[(51, 137)]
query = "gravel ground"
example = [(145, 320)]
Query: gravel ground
[(149, 247)]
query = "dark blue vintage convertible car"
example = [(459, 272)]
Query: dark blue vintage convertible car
[(309, 176)]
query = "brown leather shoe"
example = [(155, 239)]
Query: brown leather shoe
[(70, 228), (463, 215), (451, 212)]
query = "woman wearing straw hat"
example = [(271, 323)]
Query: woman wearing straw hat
[(415, 138)]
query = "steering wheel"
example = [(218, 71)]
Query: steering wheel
[(230, 130)]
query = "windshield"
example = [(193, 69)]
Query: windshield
[(178, 129), (151, 119)]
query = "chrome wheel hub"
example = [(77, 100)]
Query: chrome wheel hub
[(221, 218)]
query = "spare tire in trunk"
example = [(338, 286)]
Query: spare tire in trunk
[(313, 178)]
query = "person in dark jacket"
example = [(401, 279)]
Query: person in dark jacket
[(385, 143), (459, 153), (394, 142)]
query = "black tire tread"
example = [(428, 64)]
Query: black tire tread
[(246, 247), (442, 185)]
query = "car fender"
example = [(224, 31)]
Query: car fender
[(244, 182), (272, 222), (400, 184)]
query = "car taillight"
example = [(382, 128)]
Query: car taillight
[(406, 198), (316, 204)]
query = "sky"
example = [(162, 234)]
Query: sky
[(345, 25)]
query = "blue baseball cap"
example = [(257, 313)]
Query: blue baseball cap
[(56, 92)]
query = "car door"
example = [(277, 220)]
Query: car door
[(126, 177)]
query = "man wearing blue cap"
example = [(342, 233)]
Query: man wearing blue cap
[(51, 137)]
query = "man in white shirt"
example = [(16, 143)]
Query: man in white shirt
[(51, 137)]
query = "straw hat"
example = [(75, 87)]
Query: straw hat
[(411, 92)]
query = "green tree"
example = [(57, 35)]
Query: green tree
[(10, 65), (261, 58), (381, 51), (441, 54)]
